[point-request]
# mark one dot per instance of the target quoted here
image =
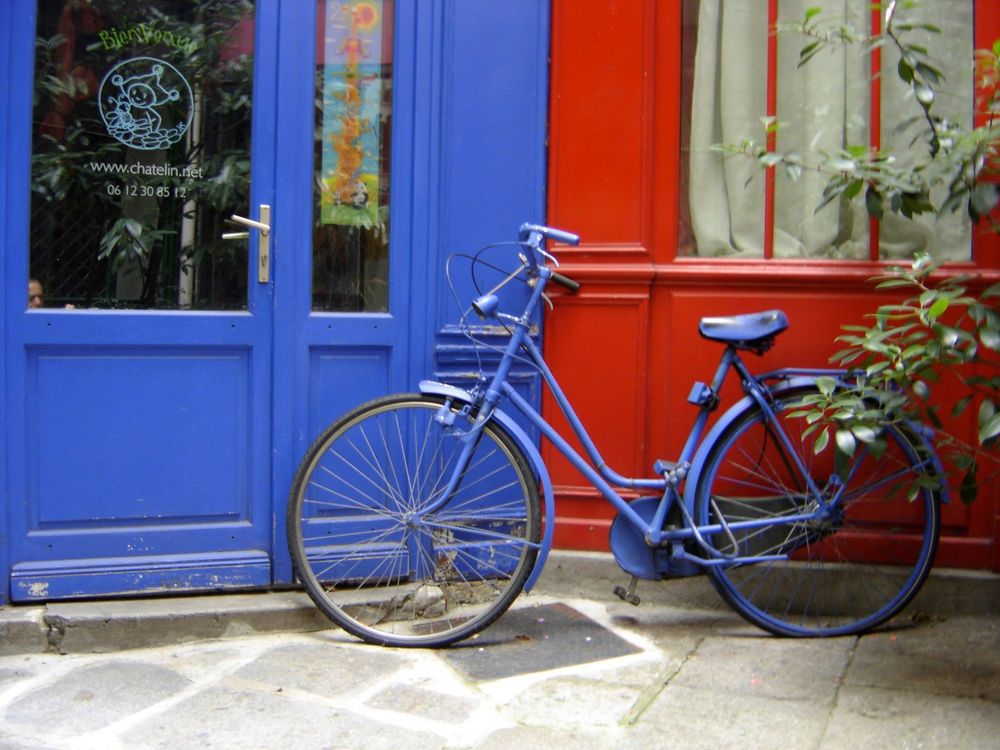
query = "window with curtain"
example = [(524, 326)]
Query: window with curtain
[(740, 74)]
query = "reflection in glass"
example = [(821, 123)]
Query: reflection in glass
[(353, 124), (140, 149)]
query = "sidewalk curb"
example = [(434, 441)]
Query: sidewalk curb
[(114, 625)]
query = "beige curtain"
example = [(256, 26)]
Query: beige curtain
[(726, 196), (823, 107)]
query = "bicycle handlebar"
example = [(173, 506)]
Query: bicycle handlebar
[(565, 281), (558, 235), (532, 234)]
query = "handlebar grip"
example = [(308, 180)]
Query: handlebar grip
[(565, 281), (558, 235)]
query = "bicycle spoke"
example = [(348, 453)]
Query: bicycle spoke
[(858, 557), (371, 555)]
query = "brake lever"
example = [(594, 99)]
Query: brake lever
[(549, 256)]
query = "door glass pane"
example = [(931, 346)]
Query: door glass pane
[(353, 123), (140, 148)]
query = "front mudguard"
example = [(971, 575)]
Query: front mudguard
[(434, 388), (789, 379)]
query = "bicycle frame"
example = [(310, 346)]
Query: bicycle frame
[(684, 472)]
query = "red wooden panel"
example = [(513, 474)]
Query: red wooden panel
[(596, 344), (598, 117), (600, 361)]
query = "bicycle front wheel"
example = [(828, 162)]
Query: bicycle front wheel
[(373, 554), (859, 559)]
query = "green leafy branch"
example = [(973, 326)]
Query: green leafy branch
[(963, 161), (941, 329)]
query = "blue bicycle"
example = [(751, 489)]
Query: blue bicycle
[(416, 519)]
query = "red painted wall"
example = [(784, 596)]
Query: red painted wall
[(625, 347)]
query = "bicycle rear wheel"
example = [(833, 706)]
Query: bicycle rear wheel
[(845, 573), (371, 557)]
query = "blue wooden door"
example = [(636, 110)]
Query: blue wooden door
[(160, 394), (139, 392)]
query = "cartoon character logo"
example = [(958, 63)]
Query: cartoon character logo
[(145, 103)]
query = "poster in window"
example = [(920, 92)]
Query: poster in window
[(352, 103)]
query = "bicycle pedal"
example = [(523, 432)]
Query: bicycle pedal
[(628, 594)]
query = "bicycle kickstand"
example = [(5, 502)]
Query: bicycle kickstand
[(628, 594)]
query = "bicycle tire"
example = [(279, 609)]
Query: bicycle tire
[(381, 572), (845, 575)]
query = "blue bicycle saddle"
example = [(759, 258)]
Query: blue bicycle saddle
[(751, 331)]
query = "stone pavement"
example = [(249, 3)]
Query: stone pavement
[(570, 665)]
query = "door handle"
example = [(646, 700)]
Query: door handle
[(263, 226)]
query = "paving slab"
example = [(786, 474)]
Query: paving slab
[(910, 720), (225, 718), (807, 670), (417, 700), (94, 696), (548, 738), (958, 656), (704, 719)]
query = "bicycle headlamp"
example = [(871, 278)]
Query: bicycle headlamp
[(486, 306)]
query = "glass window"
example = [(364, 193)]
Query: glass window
[(140, 149), (736, 74), (350, 262)]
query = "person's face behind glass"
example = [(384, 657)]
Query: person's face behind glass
[(36, 297)]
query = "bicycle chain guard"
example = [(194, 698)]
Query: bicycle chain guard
[(636, 557)]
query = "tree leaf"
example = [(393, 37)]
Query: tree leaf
[(845, 441), (984, 199), (989, 336), (811, 12), (938, 308), (826, 385), (970, 487), (808, 52), (904, 70), (989, 428), (873, 202), (821, 441), (961, 405), (864, 433), (133, 227)]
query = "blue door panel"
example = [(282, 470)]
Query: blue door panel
[(160, 437), (341, 377)]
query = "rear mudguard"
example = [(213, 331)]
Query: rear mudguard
[(525, 443), (747, 402)]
